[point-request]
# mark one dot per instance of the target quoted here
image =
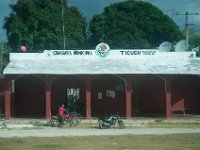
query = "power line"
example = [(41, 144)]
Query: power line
[(186, 14)]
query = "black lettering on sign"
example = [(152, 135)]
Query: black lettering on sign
[(122, 52), (138, 52), (80, 53), (62, 53), (148, 52), (88, 53)]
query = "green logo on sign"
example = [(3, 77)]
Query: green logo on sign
[(102, 50)]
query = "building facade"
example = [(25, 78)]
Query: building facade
[(132, 83)]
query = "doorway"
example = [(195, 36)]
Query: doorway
[(73, 96)]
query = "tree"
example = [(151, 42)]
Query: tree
[(133, 24), (194, 40), (38, 24), (4, 55), (195, 43)]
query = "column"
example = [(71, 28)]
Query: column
[(7, 99), (48, 98), (88, 99), (168, 97), (128, 98)]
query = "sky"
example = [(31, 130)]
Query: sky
[(92, 7)]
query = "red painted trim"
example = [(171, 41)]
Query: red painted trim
[(168, 104), (128, 104), (48, 98), (128, 98), (168, 98), (88, 99), (88, 80), (7, 99)]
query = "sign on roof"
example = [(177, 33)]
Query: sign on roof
[(103, 60), (102, 51)]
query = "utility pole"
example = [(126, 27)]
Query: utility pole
[(63, 25), (186, 23), (1, 56)]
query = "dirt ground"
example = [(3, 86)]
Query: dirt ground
[(56, 132)]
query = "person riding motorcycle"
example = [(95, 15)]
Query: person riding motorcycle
[(63, 113)]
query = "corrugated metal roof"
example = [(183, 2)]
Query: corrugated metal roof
[(47, 63)]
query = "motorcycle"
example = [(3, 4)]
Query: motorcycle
[(111, 121), (69, 120)]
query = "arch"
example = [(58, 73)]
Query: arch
[(185, 93), (28, 98), (108, 95), (148, 96), (59, 94)]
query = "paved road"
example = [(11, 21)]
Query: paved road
[(55, 132)]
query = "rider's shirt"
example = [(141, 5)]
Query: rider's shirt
[(61, 111)]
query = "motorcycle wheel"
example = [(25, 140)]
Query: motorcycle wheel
[(73, 122), (121, 124), (101, 125), (54, 123), (78, 118)]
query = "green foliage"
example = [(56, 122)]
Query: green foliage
[(4, 54), (133, 24), (194, 42), (38, 24)]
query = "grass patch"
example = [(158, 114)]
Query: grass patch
[(173, 125), (128, 142)]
